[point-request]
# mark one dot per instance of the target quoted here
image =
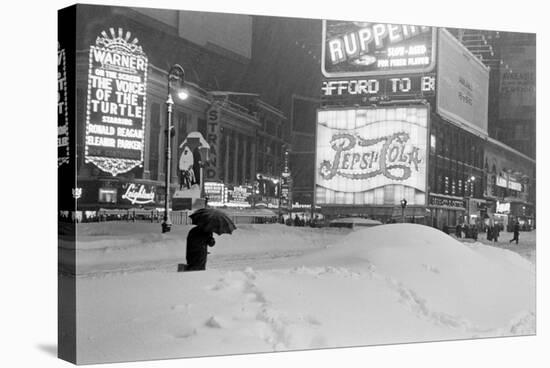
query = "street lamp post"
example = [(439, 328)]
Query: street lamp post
[(176, 74), (403, 205)]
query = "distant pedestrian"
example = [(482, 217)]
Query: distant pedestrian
[(474, 232), (446, 229), (489, 233), (458, 231), (496, 233), (516, 233)]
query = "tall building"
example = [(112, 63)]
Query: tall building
[(286, 70), (123, 58), (511, 57)]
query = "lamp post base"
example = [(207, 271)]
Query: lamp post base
[(166, 227)]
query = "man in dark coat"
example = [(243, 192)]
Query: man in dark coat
[(516, 233), (458, 231), (496, 233), (197, 251)]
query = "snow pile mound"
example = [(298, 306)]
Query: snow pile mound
[(272, 288), (433, 272)]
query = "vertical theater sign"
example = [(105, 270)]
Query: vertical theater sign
[(62, 113), (212, 137), (115, 110), (371, 156)]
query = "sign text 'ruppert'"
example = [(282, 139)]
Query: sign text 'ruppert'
[(361, 48), (368, 39), (115, 117)]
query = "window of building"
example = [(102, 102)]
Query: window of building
[(107, 195), (231, 157), (240, 159), (453, 187), (389, 194), (248, 159), (181, 125), (201, 126), (154, 138), (432, 143)]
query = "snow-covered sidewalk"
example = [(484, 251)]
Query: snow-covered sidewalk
[(526, 246)]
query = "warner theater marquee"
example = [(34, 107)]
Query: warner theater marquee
[(115, 109), (371, 156)]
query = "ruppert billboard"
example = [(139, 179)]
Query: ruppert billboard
[(462, 84), (371, 156), (353, 49)]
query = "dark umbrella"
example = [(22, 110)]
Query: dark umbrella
[(213, 220)]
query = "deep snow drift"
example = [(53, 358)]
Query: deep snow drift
[(272, 288)]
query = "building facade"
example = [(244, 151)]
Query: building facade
[(463, 161), (122, 61)]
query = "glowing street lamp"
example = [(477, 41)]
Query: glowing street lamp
[(403, 206), (176, 74)]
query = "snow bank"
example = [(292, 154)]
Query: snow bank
[(469, 281), (312, 288), (131, 247)]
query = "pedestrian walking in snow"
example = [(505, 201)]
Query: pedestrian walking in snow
[(458, 231), (489, 233), (516, 233), (208, 221), (197, 252)]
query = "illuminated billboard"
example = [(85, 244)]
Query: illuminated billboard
[(373, 49), (371, 156), (462, 84), (373, 89), (115, 110)]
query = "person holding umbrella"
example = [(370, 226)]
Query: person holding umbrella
[(196, 254), (208, 221)]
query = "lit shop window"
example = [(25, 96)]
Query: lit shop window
[(107, 195), (453, 187)]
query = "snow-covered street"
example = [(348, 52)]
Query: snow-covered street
[(273, 288)]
